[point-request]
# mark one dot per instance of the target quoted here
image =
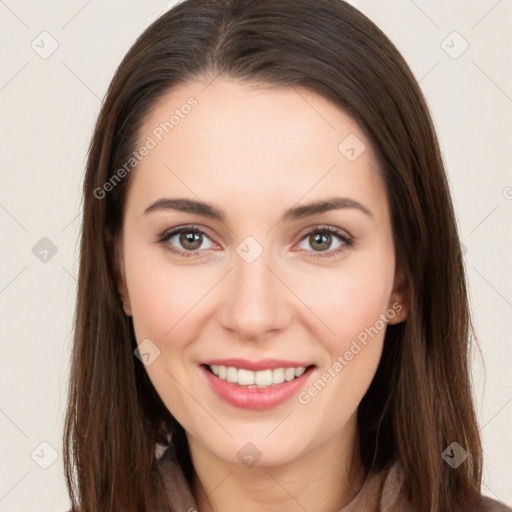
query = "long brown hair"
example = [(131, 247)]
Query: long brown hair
[(420, 400)]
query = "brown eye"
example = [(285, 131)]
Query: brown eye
[(190, 240), (328, 240), (186, 241), (320, 241)]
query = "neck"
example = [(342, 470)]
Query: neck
[(324, 479)]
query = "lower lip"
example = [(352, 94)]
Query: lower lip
[(257, 399)]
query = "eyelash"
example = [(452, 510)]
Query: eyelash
[(346, 240)]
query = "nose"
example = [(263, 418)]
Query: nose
[(257, 302)]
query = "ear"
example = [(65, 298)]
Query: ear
[(117, 259), (399, 299)]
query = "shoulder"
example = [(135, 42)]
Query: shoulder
[(490, 505), (176, 486), (394, 498)]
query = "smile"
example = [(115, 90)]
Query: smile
[(256, 379), (268, 384)]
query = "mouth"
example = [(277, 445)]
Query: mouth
[(256, 379), (270, 385)]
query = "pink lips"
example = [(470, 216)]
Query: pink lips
[(256, 398)]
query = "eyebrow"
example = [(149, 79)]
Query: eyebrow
[(295, 213)]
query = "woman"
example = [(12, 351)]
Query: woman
[(272, 312)]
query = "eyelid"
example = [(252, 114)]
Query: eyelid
[(326, 227)]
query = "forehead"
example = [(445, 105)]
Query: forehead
[(255, 142)]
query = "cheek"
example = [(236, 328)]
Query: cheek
[(166, 302), (349, 301), (341, 303), (353, 306), (162, 294)]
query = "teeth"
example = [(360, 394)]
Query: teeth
[(259, 379), (289, 374), (299, 371), (245, 377), (263, 378), (278, 375), (232, 374)]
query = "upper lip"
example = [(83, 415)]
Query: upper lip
[(262, 364)]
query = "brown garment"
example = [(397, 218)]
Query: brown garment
[(381, 492)]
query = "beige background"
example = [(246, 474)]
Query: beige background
[(49, 106)]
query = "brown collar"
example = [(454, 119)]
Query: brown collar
[(382, 491)]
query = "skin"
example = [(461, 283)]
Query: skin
[(255, 152)]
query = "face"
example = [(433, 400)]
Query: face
[(262, 320)]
